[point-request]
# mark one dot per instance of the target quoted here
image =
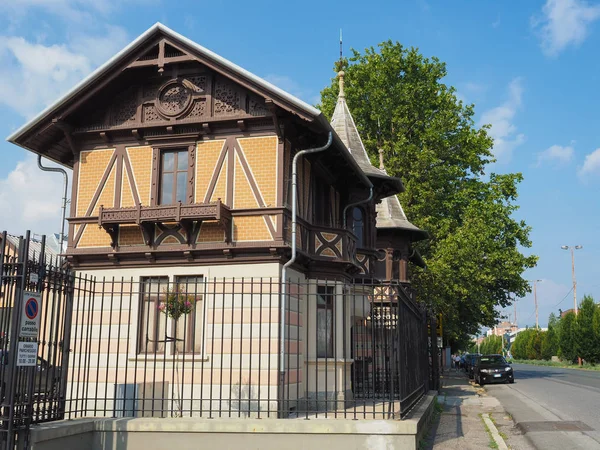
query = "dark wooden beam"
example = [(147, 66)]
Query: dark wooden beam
[(273, 108), (242, 125), (105, 137)]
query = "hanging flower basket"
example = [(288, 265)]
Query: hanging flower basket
[(177, 303)]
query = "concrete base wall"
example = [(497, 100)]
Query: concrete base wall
[(264, 434)]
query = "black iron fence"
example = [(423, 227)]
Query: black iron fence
[(168, 345), (33, 335)]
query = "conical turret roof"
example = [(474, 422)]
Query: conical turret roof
[(389, 211)]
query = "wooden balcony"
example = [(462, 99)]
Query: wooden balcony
[(323, 243), (188, 216)]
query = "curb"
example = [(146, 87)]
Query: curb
[(494, 432)]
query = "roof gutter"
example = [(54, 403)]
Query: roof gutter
[(64, 199), (291, 261)]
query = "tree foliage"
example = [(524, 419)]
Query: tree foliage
[(528, 344), (567, 346), (429, 139), (585, 335), (491, 345), (550, 338)]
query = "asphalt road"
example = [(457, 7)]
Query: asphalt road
[(555, 408)]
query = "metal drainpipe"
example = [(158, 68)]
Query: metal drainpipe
[(357, 203), (64, 200), (293, 258)]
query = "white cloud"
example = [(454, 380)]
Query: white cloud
[(82, 11), (565, 23), (503, 130), (31, 199), (33, 75), (557, 154), (591, 165)]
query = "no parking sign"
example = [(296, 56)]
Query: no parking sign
[(30, 315)]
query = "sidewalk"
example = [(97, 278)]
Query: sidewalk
[(460, 424)]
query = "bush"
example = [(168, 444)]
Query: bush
[(567, 344), (528, 344), (491, 345), (585, 335)]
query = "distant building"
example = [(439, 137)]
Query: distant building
[(502, 328)]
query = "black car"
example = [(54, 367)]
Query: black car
[(470, 362), (46, 378), (493, 369)]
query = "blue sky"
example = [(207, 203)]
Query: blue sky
[(531, 68)]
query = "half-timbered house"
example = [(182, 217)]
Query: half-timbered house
[(182, 169)]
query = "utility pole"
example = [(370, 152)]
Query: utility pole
[(535, 282), (573, 248)]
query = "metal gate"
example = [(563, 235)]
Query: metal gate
[(33, 369)]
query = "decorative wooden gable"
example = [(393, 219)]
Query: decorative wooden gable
[(175, 88)]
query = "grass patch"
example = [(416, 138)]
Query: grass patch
[(435, 417), (564, 365), (492, 443)]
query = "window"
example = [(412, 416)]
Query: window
[(325, 296), (322, 203), (152, 324), (358, 226), (157, 327), (190, 326), (173, 177)]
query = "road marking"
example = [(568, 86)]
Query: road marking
[(494, 432)]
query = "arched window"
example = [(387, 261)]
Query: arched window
[(358, 226)]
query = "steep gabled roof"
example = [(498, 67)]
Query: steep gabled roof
[(133, 47), (48, 120), (390, 214), (343, 124)]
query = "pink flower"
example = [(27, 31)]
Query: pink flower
[(161, 306), (188, 304)]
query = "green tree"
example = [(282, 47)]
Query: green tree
[(533, 348), (491, 345), (567, 344), (585, 336), (430, 140), (596, 325), (519, 345), (550, 341)]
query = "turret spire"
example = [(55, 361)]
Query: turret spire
[(381, 165)]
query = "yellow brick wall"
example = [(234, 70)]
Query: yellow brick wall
[(261, 155), (210, 231), (207, 155), (92, 165), (126, 192), (220, 191), (141, 164), (243, 197), (130, 235), (93, 236), (250, 228), (107, 197)]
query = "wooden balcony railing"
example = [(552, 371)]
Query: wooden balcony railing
[(186, 215)]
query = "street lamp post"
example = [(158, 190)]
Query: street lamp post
[(573, 248)]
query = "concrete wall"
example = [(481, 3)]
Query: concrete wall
[(265, 434)]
